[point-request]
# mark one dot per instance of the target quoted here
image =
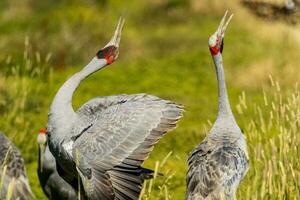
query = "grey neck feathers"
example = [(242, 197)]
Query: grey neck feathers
[(224, 110), (61, 110), (225, 125)]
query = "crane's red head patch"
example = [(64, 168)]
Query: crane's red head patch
[(216, 47), (43, 131), (109, 53), (215, 44), (215, 41), (214, 50)]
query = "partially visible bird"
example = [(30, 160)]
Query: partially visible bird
[(271, 11), (219, 163), (54, 186), (12, 172), (290, 6), (106, 141)]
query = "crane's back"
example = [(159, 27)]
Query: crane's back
[(216, 169)]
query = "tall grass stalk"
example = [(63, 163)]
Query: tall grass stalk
[(19, 102), (11, 184), (273, 141), (157, 187), (10, 189)]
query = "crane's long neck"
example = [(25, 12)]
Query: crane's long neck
[(224, 109), (61, 111)]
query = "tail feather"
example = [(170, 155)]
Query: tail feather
[(98, 186), (147, 173), (128, 183)]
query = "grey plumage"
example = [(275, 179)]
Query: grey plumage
[(106, 141), (54, 186), (290, 6), (216, 168), (124, 128), (219, 163), (12, 171)]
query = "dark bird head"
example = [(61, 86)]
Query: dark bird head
[(216, 41)]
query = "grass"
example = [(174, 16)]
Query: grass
[(163, 52), (272, 136)]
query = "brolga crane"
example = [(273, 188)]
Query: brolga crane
[(106, 141), (54, 186), (290, 6), (13, 177), (219, 163)]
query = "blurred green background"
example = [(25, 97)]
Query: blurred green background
[(163, 52)]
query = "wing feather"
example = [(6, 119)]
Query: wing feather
[(123, 130), (212, 171)]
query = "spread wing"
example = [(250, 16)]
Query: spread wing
[(119, 135), (215, 171)]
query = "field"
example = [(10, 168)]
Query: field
[(163, 52)]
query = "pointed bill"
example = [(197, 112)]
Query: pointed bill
[(226, 24), (223, 24), (115, 40), (215, 41)]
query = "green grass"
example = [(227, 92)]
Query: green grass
[(163, 52)]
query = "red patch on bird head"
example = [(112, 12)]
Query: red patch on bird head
[(109, 53), (43, 131), (214, 50)]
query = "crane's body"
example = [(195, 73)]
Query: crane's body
[(219, 163), (217, 166), (106, 141), (290, 6), (12, 172), (54, 186)]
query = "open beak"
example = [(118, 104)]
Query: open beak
[(223, 25), (115, 40)]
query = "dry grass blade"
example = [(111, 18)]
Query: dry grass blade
[(274, 145)]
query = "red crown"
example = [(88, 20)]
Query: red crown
[(43, 131)]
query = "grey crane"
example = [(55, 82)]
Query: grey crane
[(219, 163), (12, 172), (54, 186), (274, 11), (106, 141), (290, 6)]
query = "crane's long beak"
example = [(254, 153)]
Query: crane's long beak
[(115, 40), (223, 24)]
